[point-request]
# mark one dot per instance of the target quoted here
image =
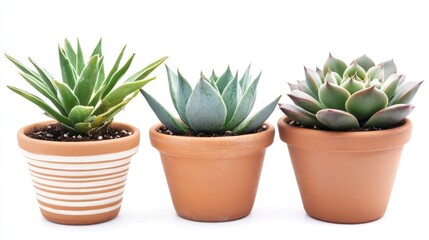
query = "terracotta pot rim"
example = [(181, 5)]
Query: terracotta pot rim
[(109, 145), (270, 128), (351, 141)]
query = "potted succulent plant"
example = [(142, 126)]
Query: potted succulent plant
[(345, 136), (213, 154), (79, 162)]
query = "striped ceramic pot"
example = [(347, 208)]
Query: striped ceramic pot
[(79, 182)]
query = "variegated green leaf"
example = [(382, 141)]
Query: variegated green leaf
[(245, 105), (352, 85), (405, 93), (115, 67), (85, 85), (300, 116), (365, 62), (117, 76), (364, 103), (205, 110), (142, 74), (333, 96), (79, 113), (67, 70), (164, 116), (66, 96), (305, 101), (24, 68), (70, 53), (389, 116), (45, 76), (80, 61), (335, 65), (337, 120), (258, 119)]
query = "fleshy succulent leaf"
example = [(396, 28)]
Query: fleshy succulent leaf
[(231, 97), (66, 96), (224, 79), (389, 116), (293, 86), (405, 93), (354, 70), (67, 70), (391, 84), (364, 103), (337, 120), (335, 65), (164, 116), (258, 119), (305, 101), (206, 111), (333, 78), (80, 61), (79, 113), (389, 68), (376, 83), (117, 76), (320, 73), (245, 105), (313, 81), (180, 90), (85, 85), (333, 96), (142, 74), (302, 86), (365, 62), (352, 85), (45, 76), (375, 72), (245, 79), (70, 53), (114, 68), (300, 116)]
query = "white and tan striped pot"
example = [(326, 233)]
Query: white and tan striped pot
[(79, 182)]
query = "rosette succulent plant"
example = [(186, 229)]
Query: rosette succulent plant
[(86, 100), (343, 97), (215, 106)]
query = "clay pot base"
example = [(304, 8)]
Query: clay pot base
[(212, 219), (81, 219)]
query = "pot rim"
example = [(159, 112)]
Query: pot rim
[(73, 148)]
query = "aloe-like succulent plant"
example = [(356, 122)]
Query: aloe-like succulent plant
[(215, 106), (86, 100), (344, 97)]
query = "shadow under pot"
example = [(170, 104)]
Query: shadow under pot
[(79, 182), (345, 177), (212, 179)]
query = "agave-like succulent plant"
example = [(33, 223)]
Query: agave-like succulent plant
[(216, 104), (86, 100), (344, 97)]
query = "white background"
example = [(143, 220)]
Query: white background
[(278, 37)]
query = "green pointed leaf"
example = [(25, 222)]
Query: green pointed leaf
[(180, 90), (213, 76), (115, 66), (85, 85), (67, 71), (117, 76), (375, 72), (120, 93), (245, 105), (80, 114), (224, 79), (245, 79), (389, 116), (44, 106), (231, 97), (364, 103), (142, 74), (365, 62), (320, 73), (70, 53), (101, 77), (313, 81), (333, 96), (300, 116), (83, 127), (352, 85), (80, 61), (405, 93), (164, 116), (333, 77), (391, 84), (293, 86), (302, 86), (376, 83), (389, 68), (355, 70), (305, 101), (205, 110), (258, 119), (335, 65), (45, 76), (337, 120), (44, 90), (66, 96), (97, 49), (24, 68)]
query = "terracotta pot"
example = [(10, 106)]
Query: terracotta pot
[(345, 177), (212, 179), (79, 182)]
